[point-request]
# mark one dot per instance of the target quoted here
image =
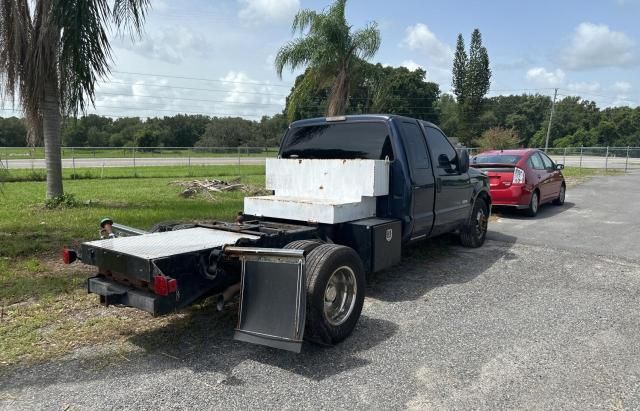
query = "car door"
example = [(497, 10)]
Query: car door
[(554, 179), (422, 181), (539, 175), (453, 189)]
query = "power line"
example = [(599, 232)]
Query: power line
[(192, 88), (205, 79)]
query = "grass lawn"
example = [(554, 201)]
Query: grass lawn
[(45, 310)]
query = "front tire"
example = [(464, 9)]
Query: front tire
[(335, 293), (474, 231), (534, 204)]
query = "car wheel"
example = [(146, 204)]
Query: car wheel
[(534, 204), (560, 200), (335, 293), (474, 232)]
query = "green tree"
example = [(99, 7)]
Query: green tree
[(328, 48), (51, 54), (13, 132), (498, 138), (459, 75), (471, 79)]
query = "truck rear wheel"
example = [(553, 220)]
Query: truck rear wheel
[(474, 231), (335, 293), (305, 245)]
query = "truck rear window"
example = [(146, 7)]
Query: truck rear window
[(340, 140), (496, 159)]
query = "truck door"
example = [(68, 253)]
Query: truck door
[(453, 189), (422, 181)]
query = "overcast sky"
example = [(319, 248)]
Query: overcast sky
[(589, 48)]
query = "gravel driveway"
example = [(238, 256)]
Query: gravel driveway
[(545, 315)]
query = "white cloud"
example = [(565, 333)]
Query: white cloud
[(585, 86), (542, 77), (411, 65), (170, 44), (595, 45), (253, 96), (419, 37), (258, 11), (621, 87)]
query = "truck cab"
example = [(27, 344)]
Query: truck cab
[(432, 190)]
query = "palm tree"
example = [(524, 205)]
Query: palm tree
[(52, 52), (329, 50)]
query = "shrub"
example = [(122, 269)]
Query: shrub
[(498, 138)]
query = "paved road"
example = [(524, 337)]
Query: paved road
[(544, 316), (139, 162), (574, 161)]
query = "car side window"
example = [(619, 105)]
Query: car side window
[(548, 164), (441, 149), (417, 153), (536, 162)]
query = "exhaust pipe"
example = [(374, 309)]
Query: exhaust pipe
[(227, 295)]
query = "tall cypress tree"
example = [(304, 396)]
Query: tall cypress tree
[(471, 79), (460, 62)]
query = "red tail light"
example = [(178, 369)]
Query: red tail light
[(69, 256), (164, 285)]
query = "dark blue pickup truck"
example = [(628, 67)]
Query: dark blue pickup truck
[(348, 193)]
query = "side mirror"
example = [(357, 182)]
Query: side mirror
[(443, 162), (463, 161), (559, 166)]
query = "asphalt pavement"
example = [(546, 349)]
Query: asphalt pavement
[(544, 316)]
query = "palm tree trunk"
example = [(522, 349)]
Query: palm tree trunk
[(51, 135), (339, 95)]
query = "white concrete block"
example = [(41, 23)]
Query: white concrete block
[(324, 211), (345, 180)]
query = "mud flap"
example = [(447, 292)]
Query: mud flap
[(273, 297)]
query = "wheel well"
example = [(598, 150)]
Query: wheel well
[(486, 197)]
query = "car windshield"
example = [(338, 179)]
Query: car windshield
[(367, 140), (496, 159)]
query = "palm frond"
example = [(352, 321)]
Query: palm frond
[(84, 53), (302, 89), (303, 20), (366, 42), (295, 53), (129, 15)]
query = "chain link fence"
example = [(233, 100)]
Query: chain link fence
[(614, 158)]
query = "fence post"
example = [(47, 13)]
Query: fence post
[(606, 160), (564, 158), (580, 168), (626, 163), (239, 176), (189, 151), (135, 172), (73, 161)]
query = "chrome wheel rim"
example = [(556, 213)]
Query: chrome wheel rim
[(340, 296), (534, 202), (481, 222)]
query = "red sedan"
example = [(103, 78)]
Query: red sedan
[(524, 179)]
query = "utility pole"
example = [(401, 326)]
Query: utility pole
[(553, 106)]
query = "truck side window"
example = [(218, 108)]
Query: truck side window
[(440, 145), (417, 153)]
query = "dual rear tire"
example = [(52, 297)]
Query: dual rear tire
[(335, 283)]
